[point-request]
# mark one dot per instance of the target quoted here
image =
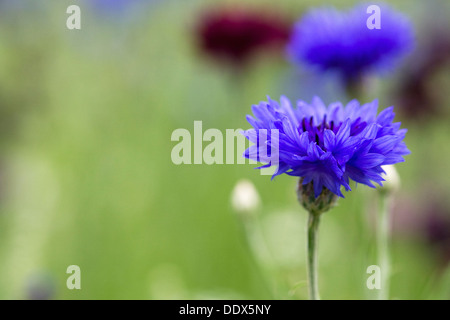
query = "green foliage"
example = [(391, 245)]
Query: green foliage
[(87, 179)]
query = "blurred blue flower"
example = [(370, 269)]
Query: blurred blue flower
[(120, 8), (327, 146), (114, 5), (334, 40)]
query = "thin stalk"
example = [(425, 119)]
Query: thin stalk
[(313, 230), (383, 245), (355, 87)]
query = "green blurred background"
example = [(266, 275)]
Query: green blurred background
[(86, 176)]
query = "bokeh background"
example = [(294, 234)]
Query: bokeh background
[(86, 176)]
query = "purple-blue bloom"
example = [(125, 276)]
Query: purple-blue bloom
[(119, 5), (336, 40), (118, 8), (326, 145)]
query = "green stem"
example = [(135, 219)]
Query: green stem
[(383, 245), (260, 253), (313, 229), (355, 87)]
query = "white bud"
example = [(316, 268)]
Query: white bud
[(392, 178), (244, 197)]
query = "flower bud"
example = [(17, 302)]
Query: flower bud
[(244, 197), (392, 179), (316, 206)]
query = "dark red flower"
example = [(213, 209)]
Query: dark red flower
[(437, 230), (416, 96), (425, 217), (237, 34)]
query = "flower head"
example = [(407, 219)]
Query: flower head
[(326, 145), (236, 34), (333, 40)]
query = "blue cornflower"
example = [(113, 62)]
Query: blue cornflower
[(120, 8), (114, 5), (334, 40), (326, 146)]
